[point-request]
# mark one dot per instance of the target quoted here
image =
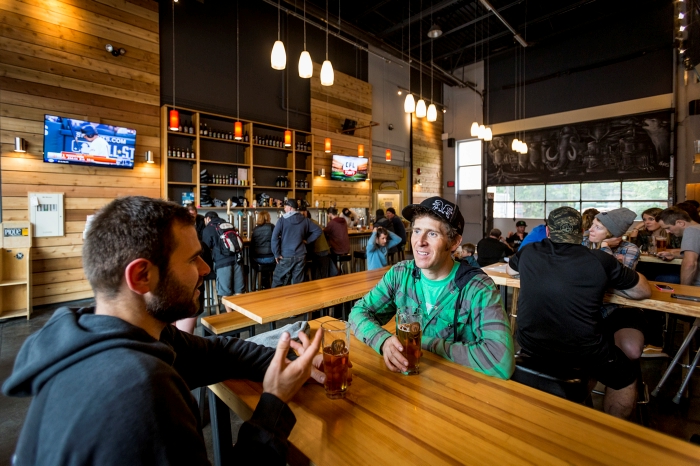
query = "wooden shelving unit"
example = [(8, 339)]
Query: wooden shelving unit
[(223, 156), (16, 270)]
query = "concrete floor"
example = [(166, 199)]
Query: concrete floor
[(680, 421)]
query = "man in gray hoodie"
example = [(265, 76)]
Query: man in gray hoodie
[(289, 237)]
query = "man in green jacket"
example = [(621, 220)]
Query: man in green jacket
[(464, 319)]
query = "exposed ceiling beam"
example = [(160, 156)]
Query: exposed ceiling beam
[(462, 26), (421, 14), (374, 7), (320, 15)]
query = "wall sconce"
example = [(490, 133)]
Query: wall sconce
[(149, 156), (20, 145), (322, 173), (114, 51)]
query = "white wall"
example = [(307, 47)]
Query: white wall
[(387, 108)]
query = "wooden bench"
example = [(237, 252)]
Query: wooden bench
[(229, 323)]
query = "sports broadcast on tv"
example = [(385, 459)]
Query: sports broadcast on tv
[(346, 168), (67, 140)]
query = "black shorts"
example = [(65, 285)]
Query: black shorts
[(615, 369)]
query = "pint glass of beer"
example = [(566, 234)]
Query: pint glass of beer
[(336, 353), (660, 244), (409, 330)]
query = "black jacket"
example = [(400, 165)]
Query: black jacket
[(105, 392), (211, 238), (290, 233), (199, 225), (385, 223), (260, 241)]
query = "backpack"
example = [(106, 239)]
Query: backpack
[(231, 243)]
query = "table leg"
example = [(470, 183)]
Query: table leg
[(504, 296), (222, 439)]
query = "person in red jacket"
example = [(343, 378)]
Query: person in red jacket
[(336, 232)]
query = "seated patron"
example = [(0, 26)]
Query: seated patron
[(111, 383), (646, 234), (463, 315), (606, 234), (560, 322), (677, 222), (261, 240), (514, 240), (336, 232), (492, 249), (378, 245), (467, 254)]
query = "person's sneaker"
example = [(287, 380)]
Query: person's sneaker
[(651, 351)]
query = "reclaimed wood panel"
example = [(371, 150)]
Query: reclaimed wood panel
[(351, 98), (427, 155), (52, 61)]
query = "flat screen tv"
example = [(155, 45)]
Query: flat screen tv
[(67, 140), (348, 168)]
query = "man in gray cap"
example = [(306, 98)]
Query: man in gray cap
[(463, 317), (291, 232), (560, 321)]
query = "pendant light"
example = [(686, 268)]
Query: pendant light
[(278, 57), (475, 129), (327, 145), (360, 150), (515, 145), (237, 126), (327, 76), (488, 134), (174, 120), (287, 133), (432, 110), (409, 105), (420, 105), (475, 126), (306, 68), (388, 155)]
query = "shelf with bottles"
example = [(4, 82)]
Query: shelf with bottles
[(223, 179), (181, 153), (179, 133), (186, 124), (220, 128)]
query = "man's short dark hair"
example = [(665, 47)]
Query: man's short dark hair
[(382, 231), (392, 210), (671, 215), (127, 229), (333, 211), (211, 214), (495, 233), (693, 202), (380, 212)]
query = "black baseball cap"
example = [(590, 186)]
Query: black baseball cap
[(291, 203), (520, 223), (439, 206)]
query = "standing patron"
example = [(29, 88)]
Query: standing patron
[(291, 233)]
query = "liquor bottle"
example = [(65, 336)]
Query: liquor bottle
[(170, 151), (190, 129), (187, 153), (206, 130), (245, 137), (230, 178), (179, 128), (192, 154), (235, 179), (201, 129), (277, 182), (308, 146)]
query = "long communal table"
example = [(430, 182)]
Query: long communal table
[(446, 415), (659, 300), (279, 303)]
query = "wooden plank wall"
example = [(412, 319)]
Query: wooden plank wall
[(427, 155), (53, 60), (351, 98)]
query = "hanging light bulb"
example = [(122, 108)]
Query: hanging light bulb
[(515, 144), (327, 74), (278, 58), (432, 113), (388, 155), (306, 68), (524, 148), (327, 146), (360, 150), (287, 138), (480, 134), (488, 135), (238, 131), (174, 120), (420, 109), (409, 105), (475, 129)]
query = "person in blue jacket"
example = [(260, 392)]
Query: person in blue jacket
[(378, 245)]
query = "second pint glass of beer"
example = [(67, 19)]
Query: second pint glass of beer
[(409, 330), (336, 353)]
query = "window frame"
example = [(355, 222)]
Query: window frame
[(480, 165)]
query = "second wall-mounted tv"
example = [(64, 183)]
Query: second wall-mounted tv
[(67, 140), (348, 168)]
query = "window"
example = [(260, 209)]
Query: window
[(537, 201), (469, 165)]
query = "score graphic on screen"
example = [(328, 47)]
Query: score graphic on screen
[(67, 140), (346, 168)]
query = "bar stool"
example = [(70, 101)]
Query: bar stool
[(690, 367), (359, 259), (210, 298), (260, 269), (341, 259), (572, 385)]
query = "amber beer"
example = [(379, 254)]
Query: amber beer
[(336, 354), (409, 330), (660, 244)]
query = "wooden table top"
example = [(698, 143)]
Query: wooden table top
[(659, 300), (449, 414), (278, 303), (656, 260)]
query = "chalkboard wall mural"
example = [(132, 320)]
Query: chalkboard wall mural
[(631, 147)]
